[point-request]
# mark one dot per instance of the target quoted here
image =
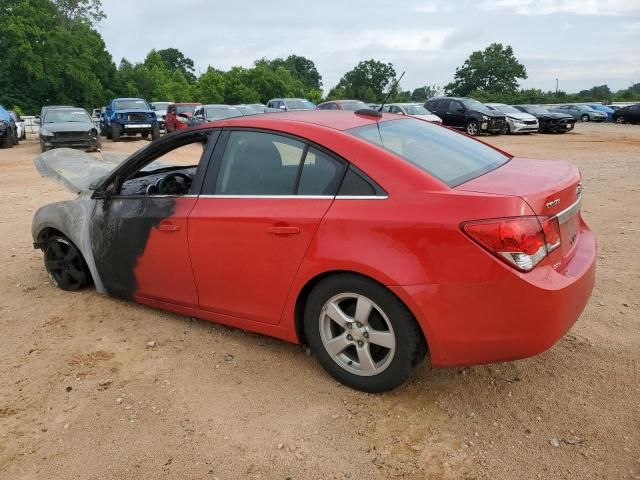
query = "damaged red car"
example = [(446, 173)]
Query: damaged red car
[(375, 239)]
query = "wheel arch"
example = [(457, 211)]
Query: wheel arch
[(303, 296)]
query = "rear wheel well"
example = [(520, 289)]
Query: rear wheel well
[(303, 296)]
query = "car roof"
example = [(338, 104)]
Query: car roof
[(187, 103), (335, 119)]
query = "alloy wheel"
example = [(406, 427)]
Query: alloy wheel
[(357, 334), (65, 264), (472, 128)]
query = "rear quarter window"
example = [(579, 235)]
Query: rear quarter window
[(446, 155)]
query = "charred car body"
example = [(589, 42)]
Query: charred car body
[(467, 114), (129, 116), (550, 122), (68, 127)]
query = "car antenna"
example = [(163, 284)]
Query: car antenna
[(393, 87), (378, 113)]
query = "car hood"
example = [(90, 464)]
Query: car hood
[(520, 116), (554, 116), (489, 113), (74, 170), (430, 118), (69, 126), (133, 110)]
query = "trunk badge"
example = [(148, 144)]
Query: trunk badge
[(553, 203)]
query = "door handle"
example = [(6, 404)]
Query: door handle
[(281, 230), (168, 227)]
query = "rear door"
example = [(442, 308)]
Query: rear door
[(455, 114), (263, 199)]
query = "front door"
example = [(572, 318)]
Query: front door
[(260, 209), (139, 235)]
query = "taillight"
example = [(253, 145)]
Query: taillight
[(520, 241)]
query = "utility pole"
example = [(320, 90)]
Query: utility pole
[(556, 87)]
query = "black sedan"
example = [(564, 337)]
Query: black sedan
[(550, 122), (630, 114), (68, 127)]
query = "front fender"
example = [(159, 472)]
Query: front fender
[(72, 218)]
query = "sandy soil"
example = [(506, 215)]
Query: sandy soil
[(83, 396)]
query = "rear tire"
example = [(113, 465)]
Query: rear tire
[(585, 118), (379, 342), (621, 120), (115, 132), (155, 131), (65, 265)]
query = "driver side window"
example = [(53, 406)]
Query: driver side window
[(171, 172)]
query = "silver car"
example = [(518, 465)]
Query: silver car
[(581, 112), (517, 121)]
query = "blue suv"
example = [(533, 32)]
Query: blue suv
[(129, 116)]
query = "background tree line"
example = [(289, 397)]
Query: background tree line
[(52, 54)]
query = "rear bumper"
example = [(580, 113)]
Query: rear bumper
[(516, 317)]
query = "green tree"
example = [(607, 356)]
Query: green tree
[(495, 69), (52, 55), (367, 81), (175, 60), (422, 94), (87, 11)]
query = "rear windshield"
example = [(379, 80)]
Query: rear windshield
[(442, 153)]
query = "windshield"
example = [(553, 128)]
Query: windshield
[(59, 116), (134, 104), (160, 105), (416, 110), (443, 153), (505, 108), (300, 105), (472, 104), (218, 113), (584, 108), (354, 106), (186, 108)]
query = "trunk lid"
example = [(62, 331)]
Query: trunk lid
[(548, 187)]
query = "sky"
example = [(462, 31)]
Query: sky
[(582, 43)]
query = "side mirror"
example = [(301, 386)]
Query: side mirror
[(460, 109)]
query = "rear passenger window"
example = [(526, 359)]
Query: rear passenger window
[(321, 174), (257, 163), (354, 185)]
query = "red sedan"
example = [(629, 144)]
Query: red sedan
[(373, 238), (178, 115)]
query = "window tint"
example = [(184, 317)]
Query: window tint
[(257, 163), (454, 106), (447, 155), (354, 185), (321, 174)]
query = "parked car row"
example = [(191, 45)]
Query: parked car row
[(12, 128), (68, 126)]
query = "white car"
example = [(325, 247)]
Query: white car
[(161, 111), (415, 110), (21, 131), (517, 121)]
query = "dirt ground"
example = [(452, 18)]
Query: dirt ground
[(83, 396)]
